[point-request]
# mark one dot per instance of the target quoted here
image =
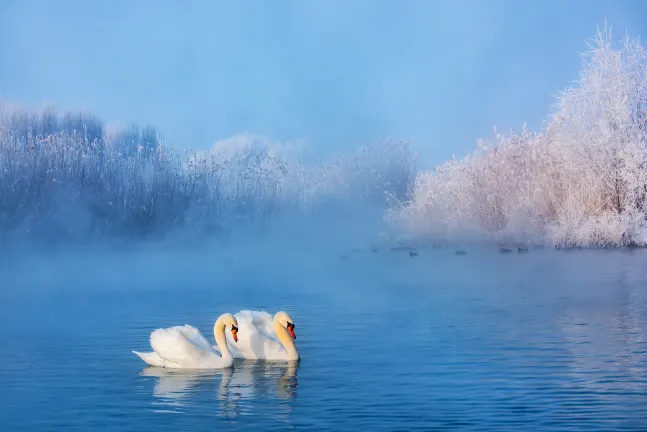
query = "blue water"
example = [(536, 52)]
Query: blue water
[(540, 341)]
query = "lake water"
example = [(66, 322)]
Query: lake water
[(540, 341)]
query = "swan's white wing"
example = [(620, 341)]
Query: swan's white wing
[(261, 320), (256, 338), (179, 346), (194, 335)]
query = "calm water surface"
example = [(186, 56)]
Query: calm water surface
[(540, 341)]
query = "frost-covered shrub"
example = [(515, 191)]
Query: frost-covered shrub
[(581, 181), (68, 178), (255, 169)]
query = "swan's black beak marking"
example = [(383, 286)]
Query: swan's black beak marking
[(234, 332)]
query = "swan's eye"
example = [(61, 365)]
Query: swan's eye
[(290, 325)]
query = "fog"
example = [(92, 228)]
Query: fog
[(126, 199), (286, 250)]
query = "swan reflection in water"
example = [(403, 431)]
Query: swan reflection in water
[(239, 386)]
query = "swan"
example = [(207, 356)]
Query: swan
[(183, 347), (264, 337)]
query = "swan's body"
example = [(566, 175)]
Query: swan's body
[(183, 347), (264, 337)]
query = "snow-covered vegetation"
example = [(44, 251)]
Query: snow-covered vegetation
[(69, 178), (581, 181)]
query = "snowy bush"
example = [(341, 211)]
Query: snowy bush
[(582, 181), (68, 178)]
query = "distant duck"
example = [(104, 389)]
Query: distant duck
[(413, 254), (402, 248), (522, 250), (505, 250), (461, 252)]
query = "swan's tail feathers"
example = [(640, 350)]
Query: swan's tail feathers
[(151, 358)]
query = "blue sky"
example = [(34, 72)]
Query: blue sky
[(335, 73)]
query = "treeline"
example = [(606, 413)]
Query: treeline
[(67, 178)]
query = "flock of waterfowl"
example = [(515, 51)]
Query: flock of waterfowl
[(414, 250), (251, 335)]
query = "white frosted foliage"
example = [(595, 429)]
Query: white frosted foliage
[(69, 177), (581, 181)]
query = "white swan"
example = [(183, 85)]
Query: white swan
[(183, 347), (264, 337)]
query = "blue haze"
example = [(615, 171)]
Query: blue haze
[(336, 74)]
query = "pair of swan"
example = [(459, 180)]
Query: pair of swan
[(261, 337)]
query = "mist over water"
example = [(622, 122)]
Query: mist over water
[(286, 250)]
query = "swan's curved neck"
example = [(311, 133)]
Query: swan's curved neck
[(286, 340), (221, 339)]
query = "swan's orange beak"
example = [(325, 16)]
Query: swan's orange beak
[(291, 331), (234, 333)]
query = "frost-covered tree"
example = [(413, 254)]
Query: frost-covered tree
[(581, 181)]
